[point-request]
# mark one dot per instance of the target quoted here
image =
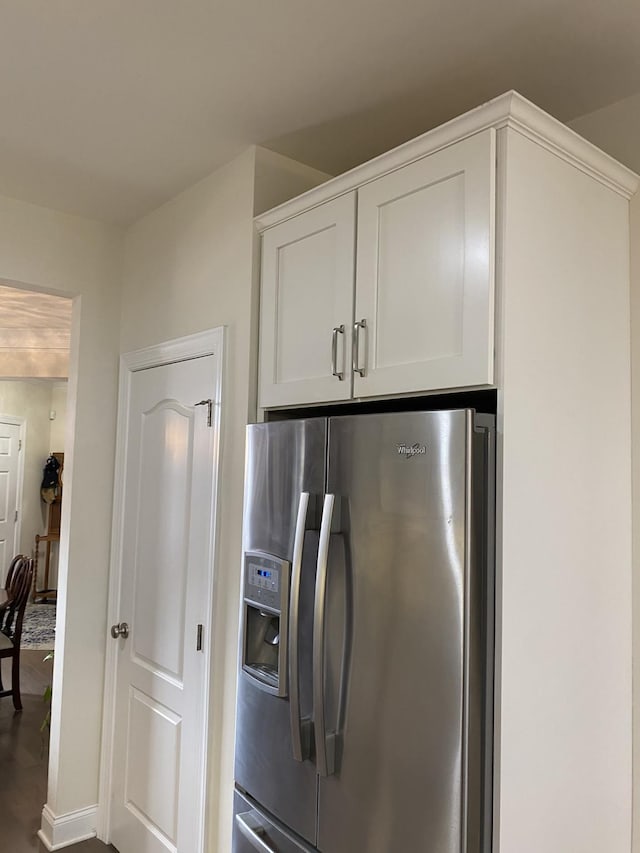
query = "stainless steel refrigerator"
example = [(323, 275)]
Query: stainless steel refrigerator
[(364, 713)]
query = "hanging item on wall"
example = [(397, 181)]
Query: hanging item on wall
[(50, 480)]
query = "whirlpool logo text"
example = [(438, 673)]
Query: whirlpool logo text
[(411, 450)]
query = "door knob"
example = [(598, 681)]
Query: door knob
[(121, 630)]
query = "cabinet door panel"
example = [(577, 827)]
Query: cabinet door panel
[(425, 273), (307, 291)]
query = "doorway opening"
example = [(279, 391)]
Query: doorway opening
[(35, 338)]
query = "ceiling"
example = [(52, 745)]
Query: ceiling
[(110, 107), (35, 334)]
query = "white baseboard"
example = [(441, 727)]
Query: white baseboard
[(57, 832)]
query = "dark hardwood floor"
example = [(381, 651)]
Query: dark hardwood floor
[(23, 762)]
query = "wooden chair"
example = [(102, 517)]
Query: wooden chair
[(11, 617)]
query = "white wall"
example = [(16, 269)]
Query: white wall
[(57, 429), (635, 421), (71, 256), (615, 129), (189, 266), (30, 400), (59, 424)]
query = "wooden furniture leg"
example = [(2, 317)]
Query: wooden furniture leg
[(44, 593), (34, 586)]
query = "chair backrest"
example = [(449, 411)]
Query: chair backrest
[(20, 558), (18, 587)]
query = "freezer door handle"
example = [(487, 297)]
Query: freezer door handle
[(300, 729), (325, 743), (250, 827)]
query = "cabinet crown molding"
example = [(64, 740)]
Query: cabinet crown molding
[(508, 110)]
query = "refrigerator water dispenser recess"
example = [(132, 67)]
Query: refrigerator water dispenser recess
[(265, 616)]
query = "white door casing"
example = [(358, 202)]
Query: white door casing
[(11, 470), (153, 794)]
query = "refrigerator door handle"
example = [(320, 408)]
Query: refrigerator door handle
[(250, 827), (300, 729), (325, 744)]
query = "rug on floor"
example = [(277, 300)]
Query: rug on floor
[(38, 628)]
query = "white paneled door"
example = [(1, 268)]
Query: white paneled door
[(9, 479), (168, 503)]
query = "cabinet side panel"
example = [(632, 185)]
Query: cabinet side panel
[(564, 539)]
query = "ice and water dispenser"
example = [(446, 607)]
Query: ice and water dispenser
[(265, 621)]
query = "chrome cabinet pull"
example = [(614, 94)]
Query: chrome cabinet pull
[(300, 729), (337, 330), (325, 745), (359, 324), (251, 828)]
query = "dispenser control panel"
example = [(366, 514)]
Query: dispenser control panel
[(265, 621), (263, 580)]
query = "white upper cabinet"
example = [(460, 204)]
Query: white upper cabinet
[(420, 273), (425, 273), (307, 306)]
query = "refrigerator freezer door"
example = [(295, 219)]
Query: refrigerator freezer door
[(284, 462), (255, 831), (395, 674)]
